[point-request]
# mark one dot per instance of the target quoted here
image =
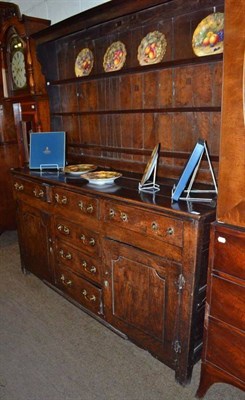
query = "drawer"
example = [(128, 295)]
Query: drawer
[(85, 293), (229, 254), (28, 108), (80, 263), (226, 348), (151, 224), (228, 302), (86, 240), (76, 203), (35, 190)]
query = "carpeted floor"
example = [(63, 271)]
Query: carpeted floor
[(51, 350)]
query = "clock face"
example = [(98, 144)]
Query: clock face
[(18, 69)]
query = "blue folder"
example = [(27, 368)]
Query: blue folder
[(47, 150), (188, 170)]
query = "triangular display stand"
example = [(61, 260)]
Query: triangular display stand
[(146, 185), (189, 191), (150, 186)]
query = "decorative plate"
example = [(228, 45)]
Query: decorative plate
[(84, 62), (114, 57), (102, 177), (152, 48), (208, 36), (79, 169)]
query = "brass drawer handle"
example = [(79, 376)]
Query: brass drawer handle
[(87, 297), (124, 217), (154, 226), (91, 270), (90, 208), (64, 255), (65, 282), (63, 229), (112, 213), (38, 193), (80, 205), (60, 200), (91, 240), (18, 187), (170, 231)]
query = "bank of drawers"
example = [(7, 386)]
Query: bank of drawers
[(226, 312), (227, 302), (78, 263), (145, 222)]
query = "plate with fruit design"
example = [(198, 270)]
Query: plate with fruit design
[(114, 57), (84, 62), (152, 48), (79, 169), (102, 177), (208, 37)]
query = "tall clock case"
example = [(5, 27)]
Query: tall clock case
[(23, 100)]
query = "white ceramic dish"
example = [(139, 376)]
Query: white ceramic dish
[(102, 177)]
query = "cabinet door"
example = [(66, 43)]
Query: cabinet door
[(141, 297), (35, 248)]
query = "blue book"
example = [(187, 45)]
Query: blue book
[(47, 150), (188, 170)]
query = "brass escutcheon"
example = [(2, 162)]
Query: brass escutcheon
[(112, 213), (154, 226), (124, 217), (170, 231)]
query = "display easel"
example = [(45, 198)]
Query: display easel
[(150, 186), (49, 166), (146, 185), (191, 170)]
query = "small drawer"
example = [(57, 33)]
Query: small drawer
[(33, 189), (151, 224), (78, 262), (76, 203), (27, 108), (86, 240), (228, 302), (85, 293), (229, 254)]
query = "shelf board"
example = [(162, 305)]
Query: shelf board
[(140, 69), (129, 150), (139, 111)]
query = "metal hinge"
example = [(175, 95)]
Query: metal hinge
[(180, 282), (177, 346)]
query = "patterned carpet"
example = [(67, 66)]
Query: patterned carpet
[(51, 350)]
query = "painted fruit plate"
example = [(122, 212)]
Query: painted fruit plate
[(102, 177), (79, 169), (208, 37), (114, 57), (152, 48), (84, 62)]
